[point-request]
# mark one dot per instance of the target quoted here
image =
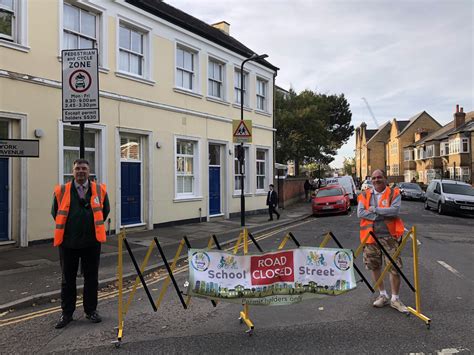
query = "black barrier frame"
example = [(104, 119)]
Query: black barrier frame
[(392, 262), (293, 238), (140, 275), (354, 264), (170, 273), (255, 242)]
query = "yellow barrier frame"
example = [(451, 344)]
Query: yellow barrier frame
[(411, 233), (244, 315)]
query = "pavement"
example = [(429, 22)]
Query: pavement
[(32, 276)]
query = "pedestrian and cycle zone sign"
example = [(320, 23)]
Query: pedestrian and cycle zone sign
[(242, 131), (274, 278), (80, 86)]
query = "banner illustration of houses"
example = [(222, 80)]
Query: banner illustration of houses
[(273, 278)]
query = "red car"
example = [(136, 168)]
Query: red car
[(331, 199)]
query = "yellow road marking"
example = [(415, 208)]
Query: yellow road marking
[(112, 294)]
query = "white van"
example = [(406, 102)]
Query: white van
[(347, 183)]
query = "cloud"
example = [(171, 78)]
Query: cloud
[(403, 56)]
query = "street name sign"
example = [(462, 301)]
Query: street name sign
[(19, 148), (80, 85), (242, 131)]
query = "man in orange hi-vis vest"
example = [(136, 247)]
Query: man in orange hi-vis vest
[(80, 208), (378, 210)]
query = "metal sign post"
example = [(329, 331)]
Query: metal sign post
[(80, 89)]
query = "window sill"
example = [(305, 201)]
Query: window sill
[(217, 100), (13, 45), (237, 194), (246, 108), (263, 113), (134, 78), (187, 92), (104, 70), (261, 193), (187, 199)]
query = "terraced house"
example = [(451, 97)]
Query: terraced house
[(402, 133), (170, 86), (384, 149), (444, 153), (370, 149)]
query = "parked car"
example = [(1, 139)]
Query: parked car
[(450, 196), (331, 199), (411, 191), (347, 183), (367, 184)]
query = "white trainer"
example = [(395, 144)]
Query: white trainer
[(399, 306), (381, 301)]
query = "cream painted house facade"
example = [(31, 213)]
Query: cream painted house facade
[(169, 90)]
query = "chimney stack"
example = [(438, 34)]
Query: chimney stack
[(459, 117), (223, 26)]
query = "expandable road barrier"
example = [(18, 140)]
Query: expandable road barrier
[(416, 289), (243, 243)]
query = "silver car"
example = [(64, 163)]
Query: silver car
[(411, 191), (450, 196)]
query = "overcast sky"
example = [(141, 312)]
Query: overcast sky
[(402, 56)]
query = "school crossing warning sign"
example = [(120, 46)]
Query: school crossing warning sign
[(242, 131), (80, 86)]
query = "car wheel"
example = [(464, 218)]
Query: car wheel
[(427, 207), (440, 208)]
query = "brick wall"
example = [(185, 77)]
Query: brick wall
[(290, 191)]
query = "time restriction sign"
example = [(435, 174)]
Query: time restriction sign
[(80, 86)]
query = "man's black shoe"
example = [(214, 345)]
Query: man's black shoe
[(63, 321), (94, 317), (271, 219)]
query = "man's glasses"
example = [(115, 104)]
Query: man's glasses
[(377, 177)]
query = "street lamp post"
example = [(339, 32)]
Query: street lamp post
[(241, 155)]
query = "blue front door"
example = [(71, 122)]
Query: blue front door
[(131, 193), (214, 190), (4, 199)]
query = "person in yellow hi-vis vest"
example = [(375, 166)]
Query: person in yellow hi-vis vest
[(378, 209), (80, 208)]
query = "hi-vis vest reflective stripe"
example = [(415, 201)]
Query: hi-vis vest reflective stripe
[(63, 197), (395, 225)]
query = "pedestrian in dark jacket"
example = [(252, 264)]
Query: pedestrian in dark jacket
[(307, 190), (272, 202)]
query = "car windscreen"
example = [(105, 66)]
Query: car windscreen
[(410, 186), (458, 189), (329, 192)]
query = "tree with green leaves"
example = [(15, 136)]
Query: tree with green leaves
[(310, 126)]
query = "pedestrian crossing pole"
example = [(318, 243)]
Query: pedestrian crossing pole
[(240, 148)]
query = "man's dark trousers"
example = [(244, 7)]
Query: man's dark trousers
[(69, 259), (272, 210)]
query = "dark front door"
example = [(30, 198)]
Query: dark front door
[(4, 199), (214, 190), (131, 193)]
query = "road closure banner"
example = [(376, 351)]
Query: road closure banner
[(273, 278)]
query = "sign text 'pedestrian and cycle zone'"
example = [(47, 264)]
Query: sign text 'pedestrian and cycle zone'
[(242, 131), (19, 148), (80, 86)]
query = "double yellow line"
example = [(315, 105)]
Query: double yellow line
[(112, 294)]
